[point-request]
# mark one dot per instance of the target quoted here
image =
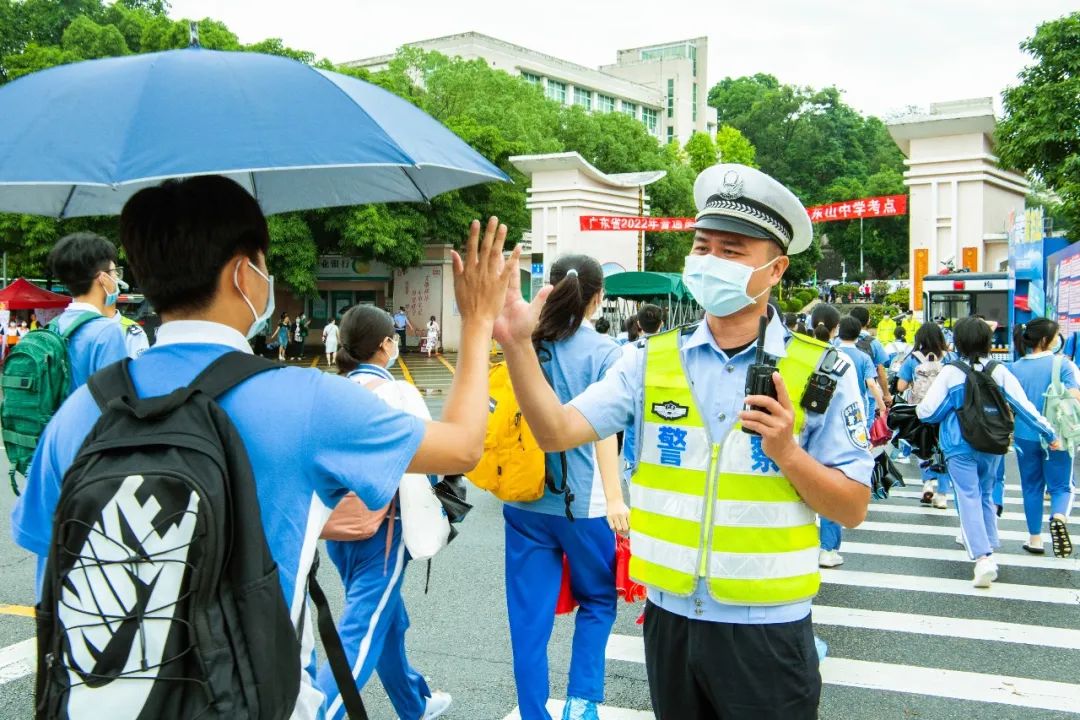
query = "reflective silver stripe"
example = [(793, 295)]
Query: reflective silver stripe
[(665, 554), (732, 513), (667, 445), (767, 566), (668, 504)]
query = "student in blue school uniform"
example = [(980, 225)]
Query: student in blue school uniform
[(373, 623), (538, 533), (972, 471), (847, 331), (199, 248), (873, 347), (928, 355), (1041, 470), (86, 264)]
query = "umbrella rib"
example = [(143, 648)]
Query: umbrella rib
[(422, 193), (67, 201), (254, 189)]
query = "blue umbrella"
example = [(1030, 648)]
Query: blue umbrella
[(81, 139)]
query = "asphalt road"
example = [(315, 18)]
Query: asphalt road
[(908, 636)]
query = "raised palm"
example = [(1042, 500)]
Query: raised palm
[(518, 318)]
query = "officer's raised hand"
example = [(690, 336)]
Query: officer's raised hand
[(774, 421)]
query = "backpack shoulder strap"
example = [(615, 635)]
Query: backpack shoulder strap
[(1055, 374), (76, 324), (335, 651), (230, 370), (112, 381)]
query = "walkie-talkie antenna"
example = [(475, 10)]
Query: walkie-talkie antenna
[(763, 324)]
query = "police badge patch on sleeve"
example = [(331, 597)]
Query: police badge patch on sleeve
[(855, 421)]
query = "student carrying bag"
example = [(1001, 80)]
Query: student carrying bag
[(160, 599)]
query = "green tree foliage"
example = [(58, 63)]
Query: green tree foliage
[(823, 150), (734, 147), (701, 150), (1041, 130)]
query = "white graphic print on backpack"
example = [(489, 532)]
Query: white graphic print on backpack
[(140, 603)]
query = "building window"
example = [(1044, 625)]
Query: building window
[(671, 97), (693, 100), (629, 108), (605, 103), (650, 116), (556, 91), (583, 98), (693, 58), (670, 134), (533, 79)]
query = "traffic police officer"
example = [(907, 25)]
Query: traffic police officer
[(722, 521)]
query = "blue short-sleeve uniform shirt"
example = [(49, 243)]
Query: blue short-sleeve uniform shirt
[(836, 438), (573, 365), (1033, 372), (98, 343)]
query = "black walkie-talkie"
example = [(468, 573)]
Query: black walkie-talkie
[(759, 377)]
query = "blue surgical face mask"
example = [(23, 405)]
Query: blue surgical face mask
[(394, 356), (111, 297), (259, 320), (719, 285)]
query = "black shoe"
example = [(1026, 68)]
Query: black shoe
[(1000, 510), (1059, 535), (1034, 550)]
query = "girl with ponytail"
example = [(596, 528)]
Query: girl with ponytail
[(1036, 343), (578, 515)]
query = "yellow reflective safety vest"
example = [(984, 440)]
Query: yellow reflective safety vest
[(911, 325), (886, 330), (718, 508)]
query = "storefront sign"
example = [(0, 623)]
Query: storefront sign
[(342, 267)]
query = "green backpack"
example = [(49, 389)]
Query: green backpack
[(36, 380), (1062, 410)]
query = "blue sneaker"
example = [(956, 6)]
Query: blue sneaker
[(580, 709)]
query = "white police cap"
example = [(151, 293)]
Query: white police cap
[(739, 199)]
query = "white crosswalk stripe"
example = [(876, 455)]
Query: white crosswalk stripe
[(17, 660)]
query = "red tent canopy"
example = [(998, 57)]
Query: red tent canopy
[(24, 295)]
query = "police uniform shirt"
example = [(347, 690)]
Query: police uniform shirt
[(355, 442), (837, 438)]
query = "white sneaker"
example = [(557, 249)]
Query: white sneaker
[(829, 559), (941, 501), (437, 704), (986, 572), (960, 540)]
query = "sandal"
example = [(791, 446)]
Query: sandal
[(1059, 535), (1034, 550)]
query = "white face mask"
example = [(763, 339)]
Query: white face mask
[(392, 358), (259, 320), (719, 285)]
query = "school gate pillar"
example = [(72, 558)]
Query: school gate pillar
[(563, 188), (962, 201)]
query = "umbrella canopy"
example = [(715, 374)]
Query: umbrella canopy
[(81, 139), (22, 294), (645, 286)]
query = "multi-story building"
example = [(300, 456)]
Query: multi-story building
[(664, 86)]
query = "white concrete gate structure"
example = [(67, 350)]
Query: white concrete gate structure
[(962, 202), (563, 188)]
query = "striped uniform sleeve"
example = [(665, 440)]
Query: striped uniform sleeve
[(935, 406)]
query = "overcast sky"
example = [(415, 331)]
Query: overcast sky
[(885, 56)]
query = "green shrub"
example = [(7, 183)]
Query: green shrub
[(845, 289), (879, 311), (879, 288), (900, 298)]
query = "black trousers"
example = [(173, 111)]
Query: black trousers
[(721, 671)]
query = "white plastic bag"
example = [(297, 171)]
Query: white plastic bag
[(424, 524)]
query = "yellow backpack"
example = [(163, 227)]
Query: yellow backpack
[(512, 467)]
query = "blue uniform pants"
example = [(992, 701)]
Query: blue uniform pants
[(535, 544), (830, 534), (944, 482), (1043, 471), (373, 624), (973, 477)]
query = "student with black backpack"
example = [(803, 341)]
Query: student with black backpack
[(180, 532), (974, 401)]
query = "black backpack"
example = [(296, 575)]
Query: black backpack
[(986, 420), (866, 344), (160, 598)]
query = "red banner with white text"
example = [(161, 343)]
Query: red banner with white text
[(873, 207)]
